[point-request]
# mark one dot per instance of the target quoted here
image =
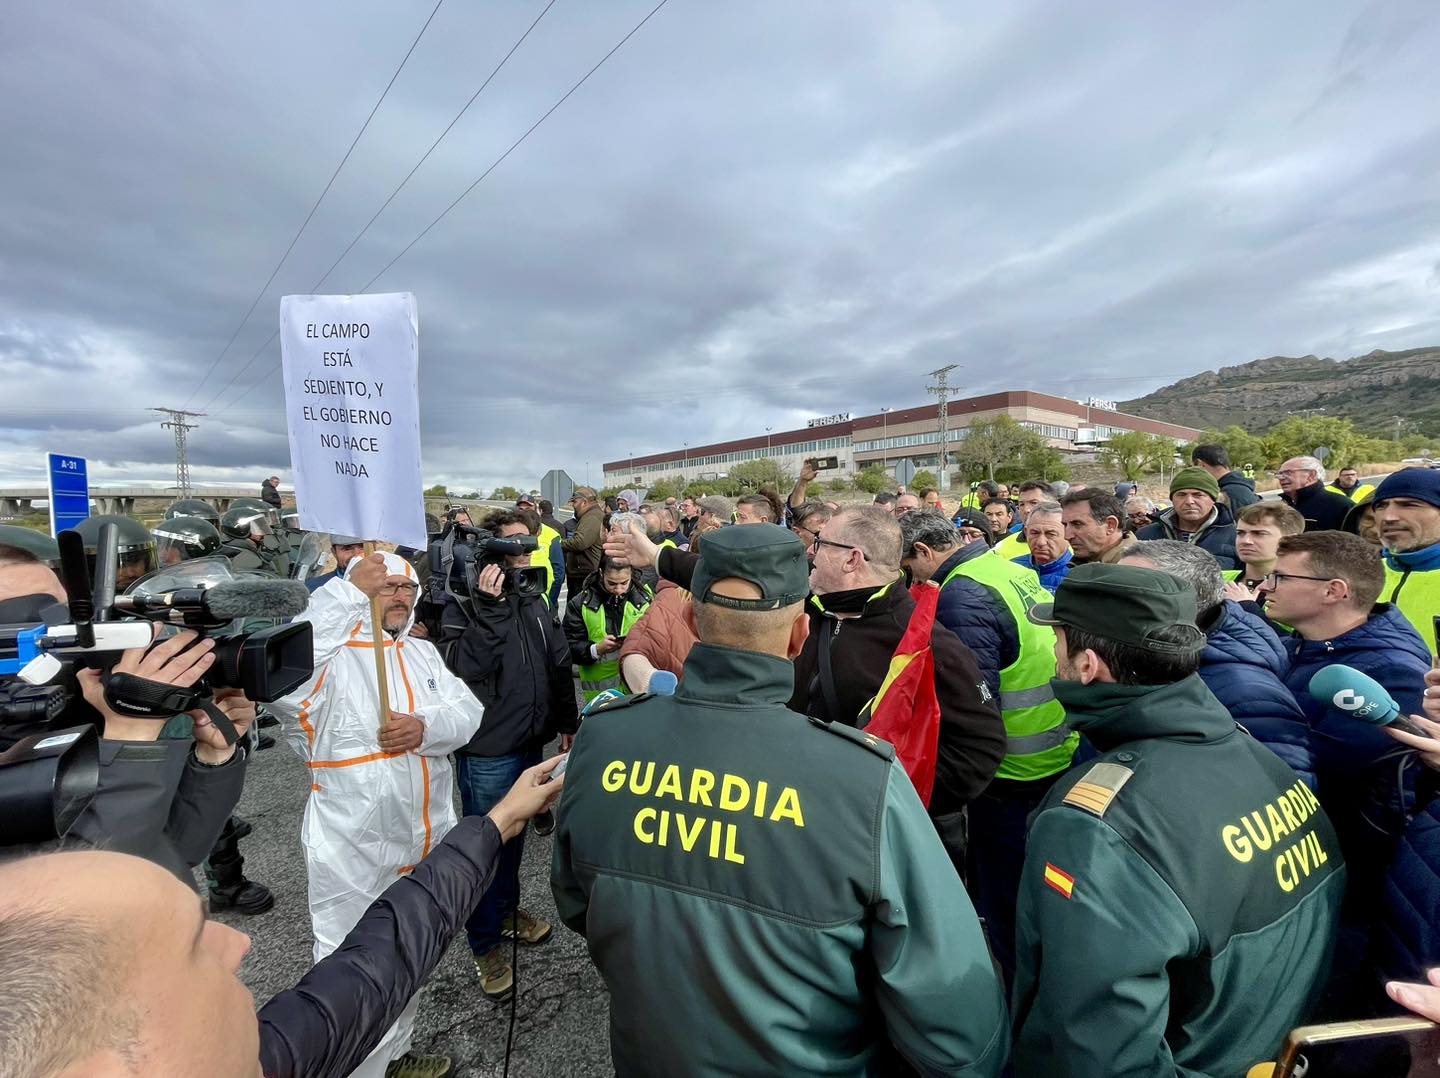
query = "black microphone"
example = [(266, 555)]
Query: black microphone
[(77, 586), (222, 603)]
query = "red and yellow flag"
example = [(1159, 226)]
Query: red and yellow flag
[(906, 711), (1059, 879)]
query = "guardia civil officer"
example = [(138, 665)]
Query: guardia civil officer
[(1180, 894), (764, 893)]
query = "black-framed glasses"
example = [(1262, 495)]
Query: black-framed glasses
[(818, 542), (392, 589), (1271, 579)]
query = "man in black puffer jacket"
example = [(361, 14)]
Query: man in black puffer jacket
[(859, 608), (514, 657)]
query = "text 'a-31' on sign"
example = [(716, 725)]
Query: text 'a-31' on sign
[(352, 403)]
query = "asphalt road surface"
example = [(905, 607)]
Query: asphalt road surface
[(562, 1012)]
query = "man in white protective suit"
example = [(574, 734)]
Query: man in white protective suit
[(379, 799)]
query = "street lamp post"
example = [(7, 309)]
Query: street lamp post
[(767, 440), (884, 438)]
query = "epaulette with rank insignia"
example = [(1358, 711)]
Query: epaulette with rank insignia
[(879, 747), (1098, 787)]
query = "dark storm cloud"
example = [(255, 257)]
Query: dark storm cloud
[(751, 214)]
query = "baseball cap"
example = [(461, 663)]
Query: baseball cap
[(583, 492), (525, 499), (766, 555), (345, 540), (1126, 604)]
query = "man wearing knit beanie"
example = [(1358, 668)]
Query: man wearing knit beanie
[(1407, 513), (1197, 516)]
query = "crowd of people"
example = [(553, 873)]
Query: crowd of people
[(1120, 832)]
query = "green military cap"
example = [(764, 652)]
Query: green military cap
[(766, 555), (1126, 604)]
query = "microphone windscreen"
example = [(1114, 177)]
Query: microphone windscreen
[(662, 683), (1358, 695), (257, 599)]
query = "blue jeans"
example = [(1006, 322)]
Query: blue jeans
[(484, 781)]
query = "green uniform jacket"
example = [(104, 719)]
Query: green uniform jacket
[(765, 894), (1179, 899)]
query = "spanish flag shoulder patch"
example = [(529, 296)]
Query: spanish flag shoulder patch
[(1059, 879)]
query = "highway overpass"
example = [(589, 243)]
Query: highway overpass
[(17, 500)]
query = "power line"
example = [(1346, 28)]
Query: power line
[(305, 224), (515, 145), (360, 235), (425, 231)]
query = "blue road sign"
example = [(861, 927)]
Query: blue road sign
[(69, 491)]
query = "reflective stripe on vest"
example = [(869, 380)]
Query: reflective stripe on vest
[(1040, 744), (1416, 594), (596, 677), (1359, 495)]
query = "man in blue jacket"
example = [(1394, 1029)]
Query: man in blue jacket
[(1243, 664), (1325, 584)]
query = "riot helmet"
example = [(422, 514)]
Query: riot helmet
[(272, 513), (245, 522), (193, 507), (182, 538), (137, 548), (33, 542)]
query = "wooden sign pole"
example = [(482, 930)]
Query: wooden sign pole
[(378, 628)]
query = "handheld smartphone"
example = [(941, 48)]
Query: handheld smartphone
[(559, 769), (825, 464), (1404, 1045), (620, 640)]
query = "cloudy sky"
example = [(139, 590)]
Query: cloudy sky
[(753, 213)]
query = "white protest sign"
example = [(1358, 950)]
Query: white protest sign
[(352, 404)]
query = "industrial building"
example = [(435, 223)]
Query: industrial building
[(892, 435)]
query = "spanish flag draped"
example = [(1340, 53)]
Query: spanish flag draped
[(906, 712)]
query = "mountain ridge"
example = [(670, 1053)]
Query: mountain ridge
[(1371, 390)]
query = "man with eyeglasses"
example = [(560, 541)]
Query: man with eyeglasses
[(380, 797), (1325, 584), (1302, 485)]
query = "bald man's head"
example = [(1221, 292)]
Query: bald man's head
[(108, 965), (19, 578)]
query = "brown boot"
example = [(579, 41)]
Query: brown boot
[(497, 980)]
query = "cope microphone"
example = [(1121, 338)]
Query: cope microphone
[(222, 603), (1361, 697)]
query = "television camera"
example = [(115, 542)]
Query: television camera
[(48, 777)]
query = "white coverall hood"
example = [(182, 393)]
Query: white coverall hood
[(395, 565)]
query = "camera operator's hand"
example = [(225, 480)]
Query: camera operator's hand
[(369, 575), (179, 661), (490, 581), (631, 548), (1427, 748), (606, 646), (403, 733), (210, 746), (529, 795)]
